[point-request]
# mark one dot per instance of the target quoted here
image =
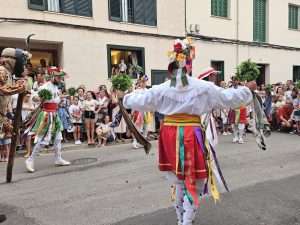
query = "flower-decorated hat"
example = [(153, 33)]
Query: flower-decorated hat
[(181, 57)]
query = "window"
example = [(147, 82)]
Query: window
[(218, 66), (74, 7), (296, 73), (158, 76), (219, 8), (133, 11), (293, 17), (124, 54), (259, 20)]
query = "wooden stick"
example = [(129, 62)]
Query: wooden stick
[(14, 139)]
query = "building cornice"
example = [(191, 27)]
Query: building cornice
[(194, 36)]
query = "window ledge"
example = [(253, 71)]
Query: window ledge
[(291, 29), (137, 24), (70, 15), (220, 17)]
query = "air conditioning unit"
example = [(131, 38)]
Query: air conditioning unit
[(192, 28), (197, 28)]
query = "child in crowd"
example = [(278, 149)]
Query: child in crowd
[(4, 149), (279, 102), (103, 102), (104, 132), (63, 114), (76, 119), (89, 108)]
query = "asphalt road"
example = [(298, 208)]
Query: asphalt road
[(125, 187)]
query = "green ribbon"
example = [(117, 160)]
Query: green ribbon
[(181, 149), (183, 78)]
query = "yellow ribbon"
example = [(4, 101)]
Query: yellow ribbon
[(213, 187)]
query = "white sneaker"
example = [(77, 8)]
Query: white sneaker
[(79, 142), (29, 165), (62, 162), (235, 139), (135, 145), (76, 143), (241, 141), (225, 134)]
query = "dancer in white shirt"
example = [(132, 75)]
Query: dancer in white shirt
[(184, 152)]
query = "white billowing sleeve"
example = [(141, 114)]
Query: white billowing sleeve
[(219, 98), (142, 101)]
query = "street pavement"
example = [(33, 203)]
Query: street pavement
[(124, 187)]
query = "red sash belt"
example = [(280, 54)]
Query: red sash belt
[(49, 107)]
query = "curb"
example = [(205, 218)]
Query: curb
[(71, 147)]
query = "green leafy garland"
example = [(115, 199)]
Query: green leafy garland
[(121, 82), (45, 95), (247, 71)]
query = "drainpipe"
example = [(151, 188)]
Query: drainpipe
[(237, 32), (185, 28)]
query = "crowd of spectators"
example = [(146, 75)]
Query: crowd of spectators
[(86, 116), (281, 104)]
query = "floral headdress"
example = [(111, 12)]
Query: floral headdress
[(183, 55), (54, 71)]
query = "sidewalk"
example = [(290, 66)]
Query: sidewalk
[(70, 146)]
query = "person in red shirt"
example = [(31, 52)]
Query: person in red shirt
[(284, 116)]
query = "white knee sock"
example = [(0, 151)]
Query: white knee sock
[(57, 149), (189, 212), (241, 128), (178, 204), (235, 131), (35, 150)]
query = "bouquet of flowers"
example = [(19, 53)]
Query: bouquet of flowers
[(121, 82)]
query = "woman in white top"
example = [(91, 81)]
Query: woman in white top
[(27, 108), (89, 108)]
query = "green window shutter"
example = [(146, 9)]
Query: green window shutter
[(115, 10), (69, 6), (214, 7), (293, 17), (296, 73), (85, 8), (219, 8), (150, 12), (139, 12), (222, 69), (259, 20), (37, 4)]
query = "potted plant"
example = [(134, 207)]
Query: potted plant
[(135, 70)]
